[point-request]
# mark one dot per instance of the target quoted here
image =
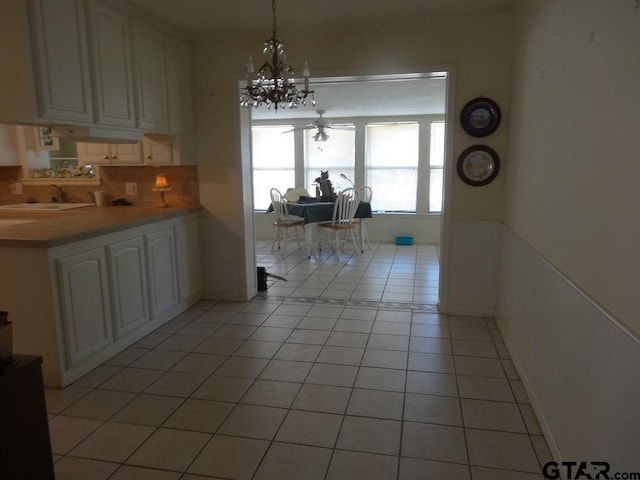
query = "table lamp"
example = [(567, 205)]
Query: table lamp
[(161, 186)]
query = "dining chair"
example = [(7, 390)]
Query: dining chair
[(344, 211), (366, 194), (283, 221)]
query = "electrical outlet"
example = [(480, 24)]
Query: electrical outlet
[(131, 188), (17, 189)]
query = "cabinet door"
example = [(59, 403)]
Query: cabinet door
[(128, 277), (112, 70), (9, 145), (188, 257), (161, 267), (129, 153), (178, 65), (109, 153), (156, 149), (93, 153), (151, 98), (61, 60), (84, 304)]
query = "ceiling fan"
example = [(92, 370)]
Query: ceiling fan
[(322, 126)]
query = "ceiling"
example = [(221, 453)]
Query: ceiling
[(383, 97), (366, 98), (200, 17)]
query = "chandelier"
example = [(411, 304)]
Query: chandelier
[(274, 84)]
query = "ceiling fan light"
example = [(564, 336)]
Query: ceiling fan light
[(321, 136)]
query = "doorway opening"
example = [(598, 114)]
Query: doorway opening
[(359, 116)]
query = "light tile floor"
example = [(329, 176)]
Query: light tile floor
[(385, 273), (289, 386)]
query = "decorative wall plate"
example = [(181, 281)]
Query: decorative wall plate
[(480, 117), (478, 165)]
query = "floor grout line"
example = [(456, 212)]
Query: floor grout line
[(263, 343)]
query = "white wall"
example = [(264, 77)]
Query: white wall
[(482, 68), (569, 262), (470, 286), (578, 364), (573, 164), (381, 228)]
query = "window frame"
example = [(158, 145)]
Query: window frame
[(424, 152)]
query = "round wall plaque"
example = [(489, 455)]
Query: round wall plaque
[(480, 117), (478, 165)]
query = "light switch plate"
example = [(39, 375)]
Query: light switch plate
[(131, 188)]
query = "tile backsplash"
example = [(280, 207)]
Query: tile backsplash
[(182, 179)]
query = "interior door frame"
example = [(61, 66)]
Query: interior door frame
[(352, 76)]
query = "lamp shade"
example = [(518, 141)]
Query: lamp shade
[(161, 182)]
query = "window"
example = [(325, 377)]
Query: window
[(273, 162), (392, 166), (337, 155), (436, 166), (403, 161)]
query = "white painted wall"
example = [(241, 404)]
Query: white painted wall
[(482, 68), (579, 365), (569, 263), (470, 287), (382, 228), (573, 162)]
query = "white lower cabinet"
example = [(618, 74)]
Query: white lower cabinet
[(84, 304), (161, 267), (128, 279), (188, 260), (113, 290)]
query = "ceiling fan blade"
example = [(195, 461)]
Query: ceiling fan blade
[(341, 127), (305, 127)]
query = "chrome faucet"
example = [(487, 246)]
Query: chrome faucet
[(61, 195)]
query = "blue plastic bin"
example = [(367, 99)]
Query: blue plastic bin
[(404, 240)]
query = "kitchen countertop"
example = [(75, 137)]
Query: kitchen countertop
[(50, 229)]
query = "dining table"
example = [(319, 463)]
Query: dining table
[(314, 213)]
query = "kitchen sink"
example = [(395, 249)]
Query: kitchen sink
[(44, 206)]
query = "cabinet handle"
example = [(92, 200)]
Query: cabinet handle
[(106, 157), (149, 157), (114, 156)]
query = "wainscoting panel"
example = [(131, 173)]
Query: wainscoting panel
[(472, 275), (382, 228), (580, 367)]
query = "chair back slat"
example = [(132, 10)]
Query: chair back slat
[(279, 206), (345, 207), (366, 193)]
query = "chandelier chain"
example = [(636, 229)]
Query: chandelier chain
[(275, 19)]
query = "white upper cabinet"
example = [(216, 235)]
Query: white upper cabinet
[(85, 63), (47, 62), (151, 86), (112, 67), (157, 149), (62, 59), (178, 67), (9, 145), (109, 153)]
